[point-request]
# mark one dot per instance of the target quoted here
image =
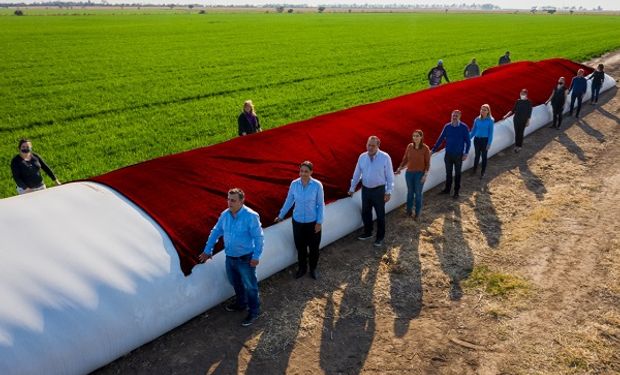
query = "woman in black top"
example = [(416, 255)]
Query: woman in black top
[(597, 82), (522, 111), (26, 168), (557, 99), (248, 121)]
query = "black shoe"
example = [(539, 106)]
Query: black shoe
[(365, 236), (444, 191), (233, 307), (249, 320), (300, 273), (314, 274), (378, 243), (456, 195), (481, 176)]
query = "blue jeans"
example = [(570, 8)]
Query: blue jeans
[(414, 190), (243, 279), (595, 91)]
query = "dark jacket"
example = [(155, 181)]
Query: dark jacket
[(245, 126), (27, 173)]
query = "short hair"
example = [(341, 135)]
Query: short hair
[(457, 111), (237, 191), (307, 164), (374, 138), (601, 66), (22, 141), (524, 90)]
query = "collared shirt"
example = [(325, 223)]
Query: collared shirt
[(374, 172), (483, 128), (456, 137), (308, 200), (242, 234)]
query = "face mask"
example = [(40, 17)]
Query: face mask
[(560, 84), (25, 150), (523, 97)]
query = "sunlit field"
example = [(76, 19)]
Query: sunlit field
[(101, 91)]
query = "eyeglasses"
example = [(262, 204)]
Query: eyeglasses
[(25, 150)]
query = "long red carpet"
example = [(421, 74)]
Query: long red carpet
[(186, 192)]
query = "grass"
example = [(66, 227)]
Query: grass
[(101, 91), (495, 283)]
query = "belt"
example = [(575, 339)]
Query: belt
[(373, 188), (239, 257)]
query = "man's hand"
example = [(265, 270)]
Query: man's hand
[(57, 182), (464, 157), (350, 193), (204, 257), (423, 179), (317, 227), (277, 219), (386, 197), (254, 263)]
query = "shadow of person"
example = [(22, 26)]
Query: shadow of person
[(349, 317), (455, 256), (406, 280), (488, 222), (571, 146), (583, 125), (533, 183), (608, 114)]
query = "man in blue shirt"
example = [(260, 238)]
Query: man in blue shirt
[(374, 168), (456, 135), (243, 240), (306, 194), (578, 87)]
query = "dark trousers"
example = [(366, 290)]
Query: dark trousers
[(572, 103), (557, 114), (519, 130), (307, 243), (453, 162), (242, 277), (374, 198), (595, 91), (480, 148)]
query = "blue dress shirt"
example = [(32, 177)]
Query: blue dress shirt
[(242, 234), (374, 172), (483, 128), (309, 201)]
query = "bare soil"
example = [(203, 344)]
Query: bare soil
[(548, 217)]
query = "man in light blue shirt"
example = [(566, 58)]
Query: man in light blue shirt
[(374, 168), (243, 240), (306, 194)]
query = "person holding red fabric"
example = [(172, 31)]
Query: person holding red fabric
[(598, 77), (557, 99), (435, 74), (248, 120), (26, 169), (306, 193), (522, 111), (456, 135), (243, 245), (417, 161), (374, 169)]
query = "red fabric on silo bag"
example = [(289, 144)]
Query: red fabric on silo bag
[(186, 192)]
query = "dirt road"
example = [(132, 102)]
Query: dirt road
[(520, 276)]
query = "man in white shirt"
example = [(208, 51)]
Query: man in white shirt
[(374, 168)]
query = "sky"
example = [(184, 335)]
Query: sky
[(506, 4)]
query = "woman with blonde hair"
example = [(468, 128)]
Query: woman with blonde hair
[(482, 134), (417, 161), (248, 120)]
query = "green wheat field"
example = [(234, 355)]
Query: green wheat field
[(101, 90)]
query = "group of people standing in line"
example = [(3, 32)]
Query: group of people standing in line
[(241, 228)]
